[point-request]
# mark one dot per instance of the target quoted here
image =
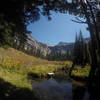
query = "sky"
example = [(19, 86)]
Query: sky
[(59, 29)]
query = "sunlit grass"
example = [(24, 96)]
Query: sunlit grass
[(44, 69), (16, 65), (16, 79), (13, 71), (78, 71)]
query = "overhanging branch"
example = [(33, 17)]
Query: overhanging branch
[(77, 20), (80, 22)]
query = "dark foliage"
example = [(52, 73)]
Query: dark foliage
[(10, 92), (16, 14), (58, 56), (81, 51)]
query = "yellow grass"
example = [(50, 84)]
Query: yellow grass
[(81, 72), (15, 66)]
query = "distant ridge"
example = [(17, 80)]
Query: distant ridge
[(45, 49)]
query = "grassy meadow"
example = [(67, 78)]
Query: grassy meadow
[(15, 66), (81, 73)]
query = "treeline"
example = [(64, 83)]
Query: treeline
[(80, 54), (59, 56), (81, 50), (35, 52)]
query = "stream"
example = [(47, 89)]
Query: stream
[(60, 87)]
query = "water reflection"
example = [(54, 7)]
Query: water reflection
[(80, 93), (54, 90)]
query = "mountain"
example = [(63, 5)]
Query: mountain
[(35, 46), (62, 47), (40, 49), (44, 49)]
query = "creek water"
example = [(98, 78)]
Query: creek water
[(60, 87)]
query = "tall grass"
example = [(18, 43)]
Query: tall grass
[(11, 70), (14, 70), (16, 65), (11, 63), (81, 72)]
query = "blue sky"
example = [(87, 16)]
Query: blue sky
[(60, 28)]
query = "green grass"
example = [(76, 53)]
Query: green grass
[(16, 65), (18, 79), (80, 72), (15, 72)]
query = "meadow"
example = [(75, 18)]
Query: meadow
[(15, 66), (16, 69)]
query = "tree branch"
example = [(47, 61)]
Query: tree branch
[(77, 20), (80, 22)]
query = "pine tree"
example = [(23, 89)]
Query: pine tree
[(80, 51)]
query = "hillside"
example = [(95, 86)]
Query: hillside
[(18, 55), (16, 68), (13, 61)]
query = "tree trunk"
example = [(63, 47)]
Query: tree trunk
[(94, 62), (70, 72)]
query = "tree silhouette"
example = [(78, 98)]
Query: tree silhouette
[(16, 14)]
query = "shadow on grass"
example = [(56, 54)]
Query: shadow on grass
[(10, 92), (77, 78)]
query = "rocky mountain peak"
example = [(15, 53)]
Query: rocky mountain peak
[(44, 49)]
